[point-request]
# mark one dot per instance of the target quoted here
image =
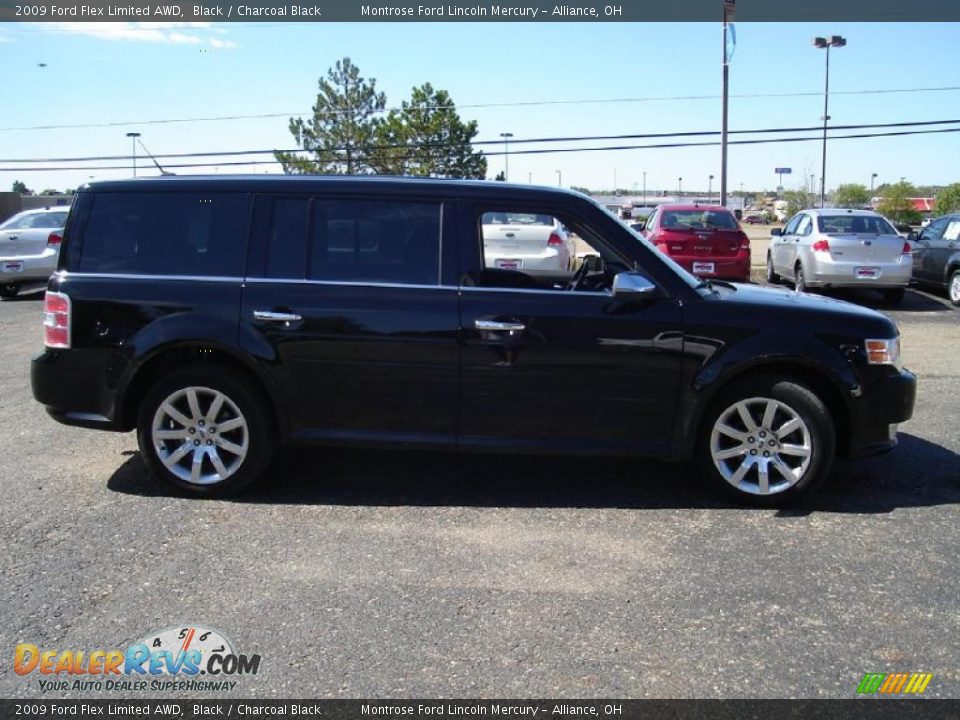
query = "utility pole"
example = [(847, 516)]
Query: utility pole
[(729, 9)]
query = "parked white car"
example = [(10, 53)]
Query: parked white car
[(525, 242), (29, 248), (837, 248)]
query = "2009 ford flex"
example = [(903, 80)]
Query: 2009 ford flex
[(225, 317)]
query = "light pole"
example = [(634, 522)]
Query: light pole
[(506, 155), (559, 179), (873, 179), (133, 145), (644, 188), (710, 188), (826, 43), (679, 188)]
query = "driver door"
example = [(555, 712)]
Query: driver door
[(546, 368)]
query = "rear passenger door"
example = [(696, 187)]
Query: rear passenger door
[(345, 306)]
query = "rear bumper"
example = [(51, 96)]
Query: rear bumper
[(549, 260), (822, 272), (83, 404), (884, 402), (733, 268), (33, 268)]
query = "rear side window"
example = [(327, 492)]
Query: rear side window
[(200, 234), (354, 240)]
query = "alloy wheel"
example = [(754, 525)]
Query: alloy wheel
[(200, 435), (761, 446), (954, 289)]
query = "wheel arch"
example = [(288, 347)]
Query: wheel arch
[(820, 380), (178, 354)]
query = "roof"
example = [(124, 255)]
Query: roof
[(832, 212), (694, 208), (328, 183)]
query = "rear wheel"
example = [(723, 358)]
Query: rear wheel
[(9, 290), (799, 279), (205, 431), (772, 277), (893, 296), (953, 287), (767, 441)]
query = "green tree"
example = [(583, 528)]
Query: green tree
[(427, 138), (851, 195), (338, 138), (797, 200), (948, 200), (895, 203), (20, 187)]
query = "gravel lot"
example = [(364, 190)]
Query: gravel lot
[(376, 574)]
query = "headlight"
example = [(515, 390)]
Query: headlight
[(883, 352)]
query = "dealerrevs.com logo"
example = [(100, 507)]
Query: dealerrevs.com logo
[(181, 658)]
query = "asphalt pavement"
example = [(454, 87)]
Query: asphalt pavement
[(410, 574)]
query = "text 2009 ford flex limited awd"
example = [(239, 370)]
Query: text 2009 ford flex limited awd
[(225, 317)]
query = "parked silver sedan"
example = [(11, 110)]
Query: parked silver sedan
[(526, 242), (29, 248), (840, 248)]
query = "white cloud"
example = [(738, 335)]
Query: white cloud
[(175, 33)]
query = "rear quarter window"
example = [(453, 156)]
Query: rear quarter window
[(202, 234)]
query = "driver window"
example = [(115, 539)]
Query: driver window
[(528, 248)]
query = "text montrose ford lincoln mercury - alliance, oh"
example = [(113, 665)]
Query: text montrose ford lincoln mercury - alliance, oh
[(224, 318)]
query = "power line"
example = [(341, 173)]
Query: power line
[(582, 138), (710, 143), (529, 103)]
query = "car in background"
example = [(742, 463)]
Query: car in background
[(840, 248), (936, 256), (926, 221), (29, 248), (704, 239), (527, 242), (754, 220)]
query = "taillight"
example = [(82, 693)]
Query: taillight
[(56, 320), (907, 250), (554, 240), (54, 239), (821, 246), (744, 241)]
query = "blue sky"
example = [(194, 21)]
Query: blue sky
[(116, 72)]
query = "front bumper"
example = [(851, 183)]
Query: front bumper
[(885, 401)]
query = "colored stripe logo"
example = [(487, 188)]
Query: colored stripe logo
[(894, 683)]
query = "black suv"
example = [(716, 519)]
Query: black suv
[(222, 317)]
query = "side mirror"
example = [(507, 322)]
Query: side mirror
[(912, 237), (776, 232), (633, 287), (639, 226)]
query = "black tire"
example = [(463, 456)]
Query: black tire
[(799, 279), (893, 296), (243, 401), (953, 287), (772, 277), (816, 434), (9, 290)]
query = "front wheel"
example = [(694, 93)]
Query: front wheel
[(9, 290), (205, 431), (767, 441), (953, 288)]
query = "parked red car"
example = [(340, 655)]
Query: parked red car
[(705, 239)]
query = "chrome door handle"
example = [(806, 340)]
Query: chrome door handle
[(495, 326), (276, 317)]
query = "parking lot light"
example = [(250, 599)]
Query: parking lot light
[(826, 43), (133, 146), (506, 154)]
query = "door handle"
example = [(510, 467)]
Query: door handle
[(13, 237), (496, 326), (276, 317)]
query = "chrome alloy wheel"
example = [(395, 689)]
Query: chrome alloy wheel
[(200, 435), (761, 446), (954, 289)]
